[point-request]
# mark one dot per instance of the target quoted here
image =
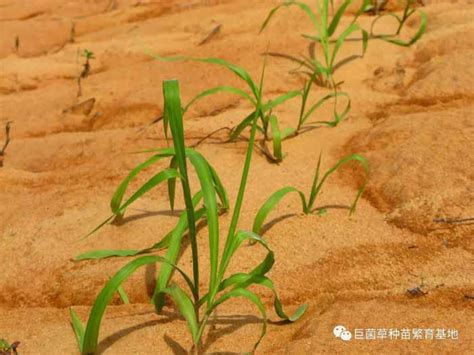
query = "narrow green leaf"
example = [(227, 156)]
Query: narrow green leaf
[(271, 203), (276, 138), (123, 295), (91, 334), (247, 121), (172, 184), (186, 308), (252, 297), (120, 192), (320, 102), (240, 72), (354, 157), (301, 5), (416, 36), (337, 17), (150, 184), (219, 89), (271, 104), (78, 328), (340, 40)]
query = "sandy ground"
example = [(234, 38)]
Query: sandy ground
[(411, 117)]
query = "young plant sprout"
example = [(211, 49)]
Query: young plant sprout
[(7, 348), (195, 306), (268, 124), (86, 68), (308, 202), (330, 38)]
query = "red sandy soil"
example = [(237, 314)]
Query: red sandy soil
[(411, 117)]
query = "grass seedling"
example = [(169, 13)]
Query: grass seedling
[(309, 201), (330, 38), (7, 348), (86, 68), (306, 112), (268, 124), (193, 305)]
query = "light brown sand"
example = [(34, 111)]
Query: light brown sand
[(411, 118)]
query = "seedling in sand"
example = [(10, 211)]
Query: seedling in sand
[(268, 124), (309, 201), (195, 306), (330, 38), (86, 68), (7, 349)]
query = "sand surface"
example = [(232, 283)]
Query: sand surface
[(411, 118)]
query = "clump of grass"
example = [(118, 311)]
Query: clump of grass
[(331, 38), (196, 307), (268, 123), (309, 200)]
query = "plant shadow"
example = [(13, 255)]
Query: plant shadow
[(227, 325), (113, 338), (144, 214), (269, 225)]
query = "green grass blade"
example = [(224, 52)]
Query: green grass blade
[(78, 328), (269, 17), (247, 121), (186, 308), (340, 40), (276, 138), (173, 109), (150, 184), (174, 247), (123, 295), (257, 275), (301, 5), (244, 281), (209, 195), (365, 41), (320, 102), (252, 297), (354, 157), (99, 227), (240, 72), (232, 247), (91, 334), (378, 18), (337, 17), (314, 185), (172, 184), (107, 253), (271, 104), (162, 244), (220, 189), (218, 89), (120, 192), (287, 132), (271, 203), (415, 38)]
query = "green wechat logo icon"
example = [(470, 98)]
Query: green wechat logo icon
[(341, 332)]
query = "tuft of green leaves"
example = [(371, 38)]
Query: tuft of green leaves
[(330, 37), (308, 201), (221, 287)]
